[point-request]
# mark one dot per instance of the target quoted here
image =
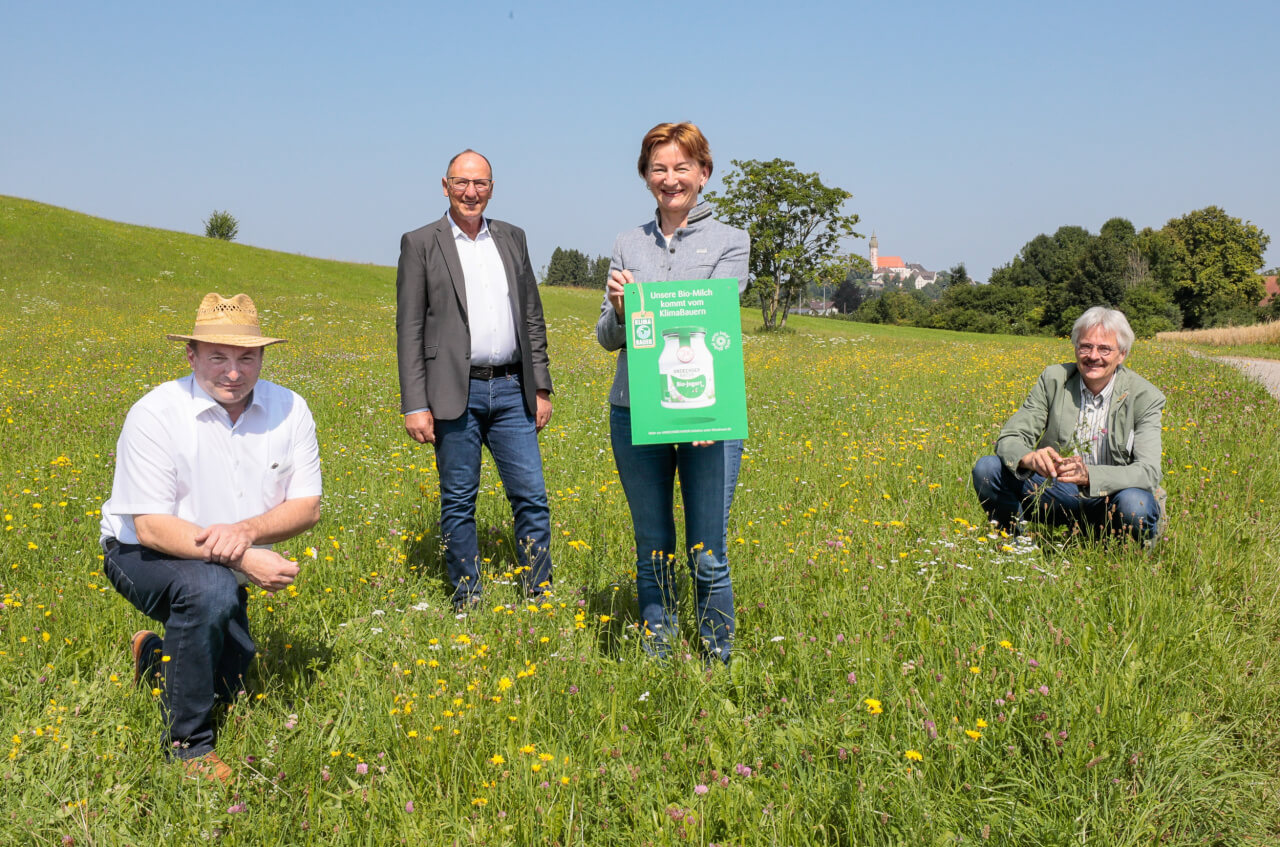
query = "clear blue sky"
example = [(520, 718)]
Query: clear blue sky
[(962, 130)]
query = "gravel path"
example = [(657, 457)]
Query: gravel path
[(1265, 371)]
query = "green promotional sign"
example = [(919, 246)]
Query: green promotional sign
[(684, 361)]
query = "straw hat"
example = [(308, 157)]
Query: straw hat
[(232, 321)]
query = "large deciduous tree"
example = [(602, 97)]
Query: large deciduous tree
[(1098, 278), (1216, 266), (1046, 261), (795, 223)]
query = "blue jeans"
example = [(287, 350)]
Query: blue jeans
[(1008, 500), (708, 477), (497, 418), (206, 636)]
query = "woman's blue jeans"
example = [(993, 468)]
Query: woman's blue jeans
[(206, 636), (708, 477)]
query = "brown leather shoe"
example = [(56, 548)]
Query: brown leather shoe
[(146, 647), (209, 768)]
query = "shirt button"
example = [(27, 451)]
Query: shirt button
[(673, 249)]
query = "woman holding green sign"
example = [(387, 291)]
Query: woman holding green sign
[(682, 242)]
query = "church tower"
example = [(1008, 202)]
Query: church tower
[(875, 251)]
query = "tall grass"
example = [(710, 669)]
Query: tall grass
[(1263, 333), (901, 674)]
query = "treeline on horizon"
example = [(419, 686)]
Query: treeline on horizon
[(575, 269), (1199, 270)]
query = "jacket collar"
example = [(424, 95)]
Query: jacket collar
[(700, 213), (447, 241), (1121, 387), (449, 249)]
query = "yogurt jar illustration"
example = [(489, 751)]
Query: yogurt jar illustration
[(686, 369)]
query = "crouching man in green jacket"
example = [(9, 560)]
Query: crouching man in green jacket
[(1084, 449)]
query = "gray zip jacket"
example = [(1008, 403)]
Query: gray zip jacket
[(703, 249)]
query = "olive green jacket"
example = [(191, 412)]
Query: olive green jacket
[(1049, 416)]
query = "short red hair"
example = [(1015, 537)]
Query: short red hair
[(684, 135)]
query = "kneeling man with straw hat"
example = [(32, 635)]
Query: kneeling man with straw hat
[(211, 469)]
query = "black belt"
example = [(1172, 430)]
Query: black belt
[(494, 371)]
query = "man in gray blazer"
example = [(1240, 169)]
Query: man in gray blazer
[(472, 350)]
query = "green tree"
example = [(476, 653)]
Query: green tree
[(795, 223), (599, 275), (554, 272), (221, 225), (1271, 311), (1099, 278), (849, 296), (1150, 310), (568, 268), (1161, 257), (902, 308), (958, 275), (1217, 259), (1069, 271), (1012, 309), (891, 282), (833, 273), (1046, 261)]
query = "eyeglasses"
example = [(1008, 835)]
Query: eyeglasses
[(459, 184), (1101, 349)]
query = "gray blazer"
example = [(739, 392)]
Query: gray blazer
[(704, 249), (433, 339)]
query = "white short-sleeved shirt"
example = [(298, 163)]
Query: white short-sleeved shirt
[(179, 454)]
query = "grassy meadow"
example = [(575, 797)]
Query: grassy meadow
[(901, 675)]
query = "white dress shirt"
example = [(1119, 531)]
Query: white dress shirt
[(180, 454), (493, 328)]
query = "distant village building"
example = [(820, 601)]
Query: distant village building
[(893, 266), (824, 308), (1272, 289)]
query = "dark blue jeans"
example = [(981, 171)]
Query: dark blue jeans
[(1008, 500), (206, 636), (708, 477), (497, 418)]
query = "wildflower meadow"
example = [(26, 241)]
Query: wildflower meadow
[(902, 674)]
